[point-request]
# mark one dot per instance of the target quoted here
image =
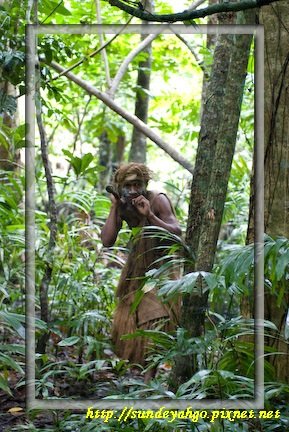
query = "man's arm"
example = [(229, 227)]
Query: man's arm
[(163, 216), (112, 225)]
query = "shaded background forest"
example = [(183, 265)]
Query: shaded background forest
[(196, 96)]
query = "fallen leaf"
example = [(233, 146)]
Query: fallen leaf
[(15, 410)]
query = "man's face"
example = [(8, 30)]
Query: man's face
[(132, 188)]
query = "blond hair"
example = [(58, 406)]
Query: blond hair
[(140, 170)]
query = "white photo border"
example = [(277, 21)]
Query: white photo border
[(73, 404)]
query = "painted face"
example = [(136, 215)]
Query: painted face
[(133, 188)]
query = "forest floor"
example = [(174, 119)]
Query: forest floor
[(13, 408), (66, 377)]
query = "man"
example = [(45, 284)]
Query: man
[(133, 203)]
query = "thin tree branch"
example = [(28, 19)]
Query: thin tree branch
[(123, 67), (52, 133), (28, 10), (188, 14), (195, 54), (12, 163), (52, 12), (126, 115), (49, 181), (52, 213), (93, 53)]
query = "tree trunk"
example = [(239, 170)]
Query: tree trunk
[(52, 214), (193, 306), (275, 19), (210, 123), (139, 140), (212, 170), (225, 150)]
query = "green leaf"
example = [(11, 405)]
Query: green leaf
[(40, 324), (69, 341), (190, 22), (14, 321), (7, 103), (157, 336), (13, 228), (20, 131), (12, 67), (13, 348), (188, 284), (74, 161), (282, 264), (20, 144), (4, 385), (63, 10), (210, 279), (47, 7), (137, 299), (67, 153), (6, 360), (86, 160), (76, 165), (18, 137)]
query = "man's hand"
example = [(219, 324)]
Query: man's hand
[(142, 205), (114, 200), (114, 196)]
